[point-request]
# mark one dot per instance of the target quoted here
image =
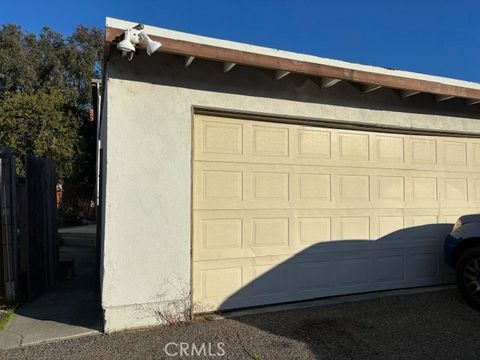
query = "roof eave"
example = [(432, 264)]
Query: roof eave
[(371, 79)]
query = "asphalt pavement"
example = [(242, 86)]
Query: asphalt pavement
[(429, 325)]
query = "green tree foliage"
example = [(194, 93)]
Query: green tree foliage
[(45, 96), (40, 124)]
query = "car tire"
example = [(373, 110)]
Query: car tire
[(468, 276)]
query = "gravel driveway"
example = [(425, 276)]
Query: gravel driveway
[(433, 325)]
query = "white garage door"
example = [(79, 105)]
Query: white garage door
[(286, 212)]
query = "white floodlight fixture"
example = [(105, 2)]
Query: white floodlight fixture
[(133, 37)]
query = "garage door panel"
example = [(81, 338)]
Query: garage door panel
[(248, 186), (271, 186), (353, 189), (218, 137), (213, 286), (221, 283), (388, 148), (229, 234), (240, 234), (390, 189), (388, 225), (313, 143), (353, 146), (425, 266), (222, 233), (475, 191), (476, 154), (391, 268), (354, 272), (270, 280), (313, 277), (423, 151), (421, 191), (273, 279), (270, 232), (233, 140), (313, 230), (220, 185), (270, 141), (222, 236), (455, 191), (352, 228), (286, 212), (454, 153), (314, 187), (422, 220)]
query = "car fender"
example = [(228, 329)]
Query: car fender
[(467, 231)]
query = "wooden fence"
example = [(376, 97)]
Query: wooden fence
[(8, 227), (30, 246)]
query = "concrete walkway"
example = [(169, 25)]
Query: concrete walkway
[(71, 309)]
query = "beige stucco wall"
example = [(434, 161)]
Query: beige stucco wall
[(147, 152)]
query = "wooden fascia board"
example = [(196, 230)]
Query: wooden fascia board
[(215, 53)]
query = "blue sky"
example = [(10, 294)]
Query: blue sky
[(439, 37)]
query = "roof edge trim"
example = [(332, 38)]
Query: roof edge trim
[(242, 54)]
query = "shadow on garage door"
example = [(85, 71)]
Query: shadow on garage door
[(406, 258)]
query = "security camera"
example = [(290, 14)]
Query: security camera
[(135, 36)]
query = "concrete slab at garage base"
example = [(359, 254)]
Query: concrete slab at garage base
[(331, 301)]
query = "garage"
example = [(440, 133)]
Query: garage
[(237, 176), (286, 212)]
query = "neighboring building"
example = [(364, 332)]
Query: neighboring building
[(245, 176)]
